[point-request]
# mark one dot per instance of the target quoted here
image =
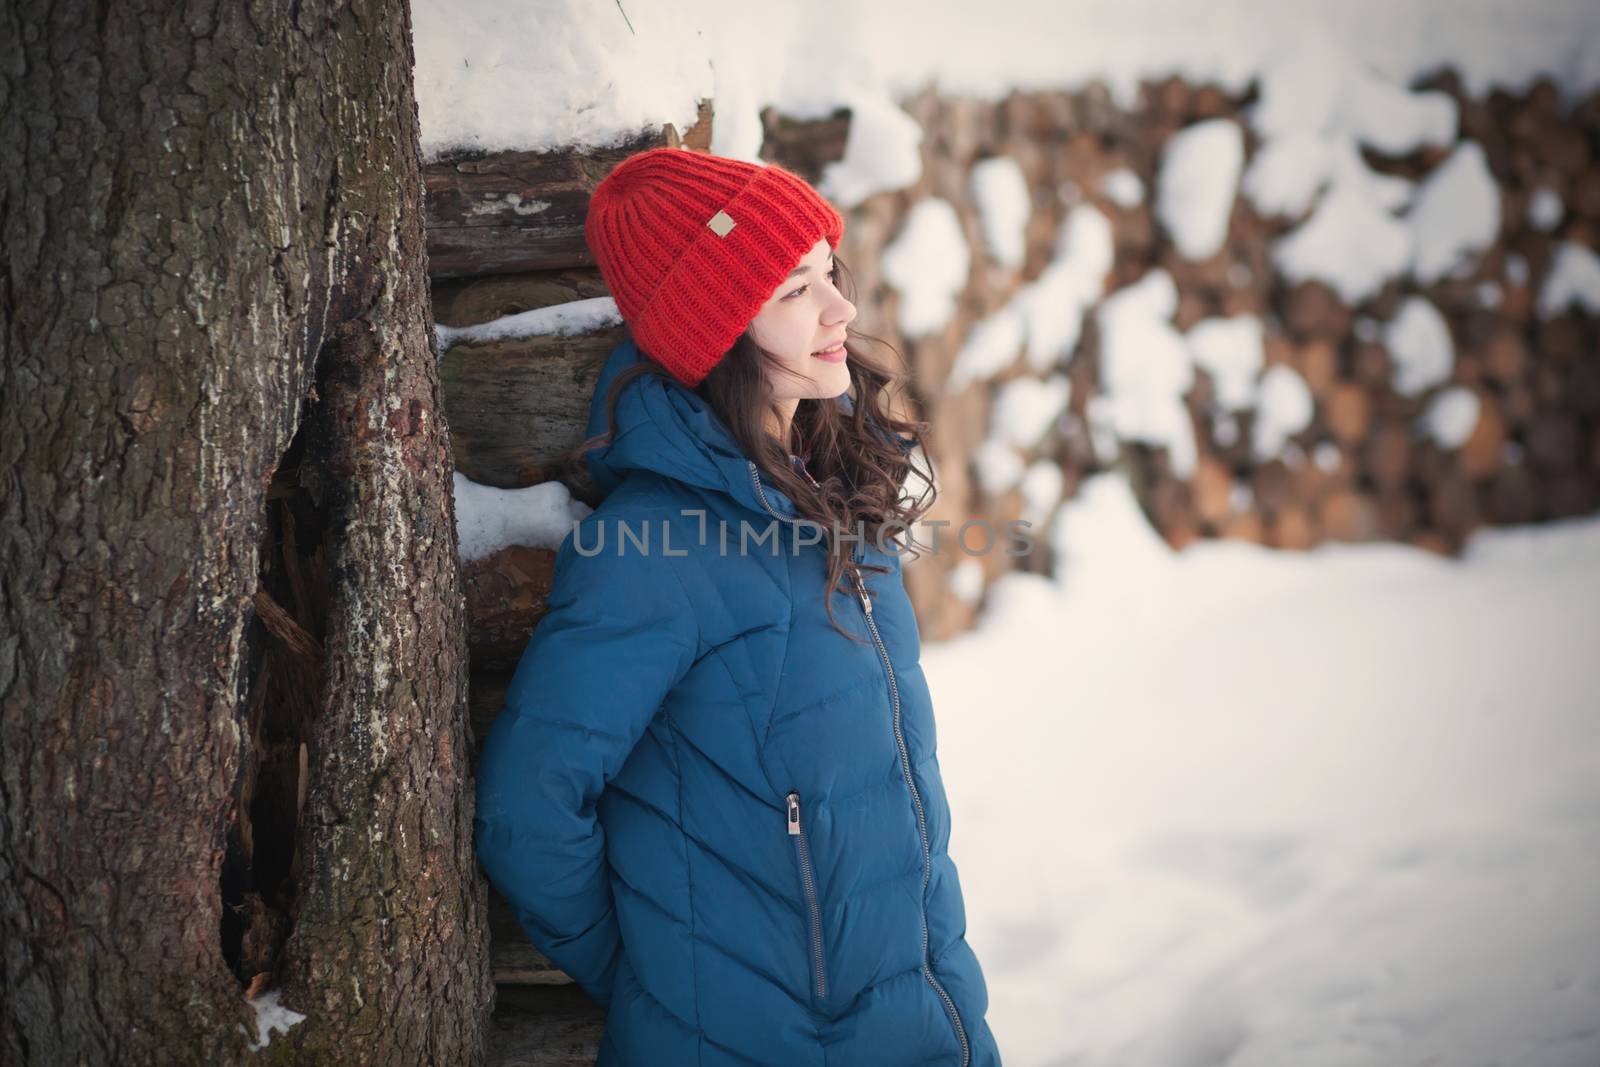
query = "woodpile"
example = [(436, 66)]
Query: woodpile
[(1363, 469), (1532, 453)]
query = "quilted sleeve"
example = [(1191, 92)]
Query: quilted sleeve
[(618, 635)]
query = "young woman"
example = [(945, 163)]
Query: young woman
[(713, 796)]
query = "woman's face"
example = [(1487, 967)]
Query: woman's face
[(806, 316)]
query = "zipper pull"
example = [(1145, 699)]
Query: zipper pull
[(794, 813), (866, 601)]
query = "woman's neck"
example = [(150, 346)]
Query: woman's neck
[(780, 423)]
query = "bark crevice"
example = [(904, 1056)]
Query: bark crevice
[(284, 684)]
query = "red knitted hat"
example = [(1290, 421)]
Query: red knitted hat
[(691, 246)]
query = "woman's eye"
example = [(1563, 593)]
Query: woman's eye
[(832, 275)]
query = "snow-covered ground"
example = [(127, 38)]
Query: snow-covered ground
[(1274, 809)]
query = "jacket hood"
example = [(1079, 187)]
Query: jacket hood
[(665, 427)]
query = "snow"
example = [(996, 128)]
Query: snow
[(1100, 414), (1025, 408), (1041, 492), (1197, 183), (1086, 248), (965, 581), (1418, 339), (882, 154), (559, 320), (1451, 416), (488, 519), (1339, 807), (1299, 91), (1393, 120), (1146, 369), (1319, 105), (1053, 305), (998, 466), (1287, 172), (1573, 281), (1232, 350), (271, 1017), (1000, 191), (1545, 209), (1456, 214), (1123, 188), (927, 263), (1388, 191), (1051, 309), (539, 76), (1284, 409), (1350, 242), (1047, 313), (991, 346), (492, 76)]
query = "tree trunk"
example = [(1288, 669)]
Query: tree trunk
[(233, 733)]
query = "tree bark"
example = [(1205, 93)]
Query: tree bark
[(233, 720)]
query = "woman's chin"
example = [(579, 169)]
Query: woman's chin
[(830, 390)]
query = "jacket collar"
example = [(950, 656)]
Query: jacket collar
[(665, 427)]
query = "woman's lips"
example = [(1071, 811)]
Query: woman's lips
[(832, 355)]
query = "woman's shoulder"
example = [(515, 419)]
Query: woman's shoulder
[(645, 529), (646, 499), (623, 554)]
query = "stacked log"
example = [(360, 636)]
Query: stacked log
[(495, 213)]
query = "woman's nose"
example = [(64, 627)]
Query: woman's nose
[(841, 312)]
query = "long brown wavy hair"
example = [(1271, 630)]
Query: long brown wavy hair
[(861, 471)]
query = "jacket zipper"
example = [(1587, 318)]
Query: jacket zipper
[(755, 480), (905, 768), (808, 879), (922, 823)]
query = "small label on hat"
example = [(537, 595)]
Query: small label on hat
[(720, 224)]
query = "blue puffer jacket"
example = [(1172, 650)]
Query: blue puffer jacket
[(721, 817)]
